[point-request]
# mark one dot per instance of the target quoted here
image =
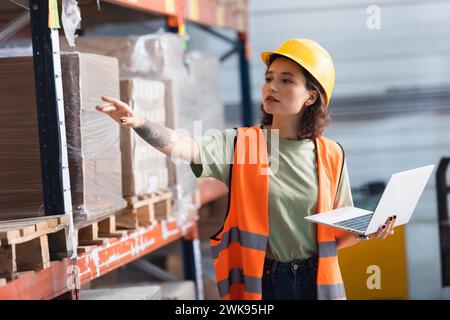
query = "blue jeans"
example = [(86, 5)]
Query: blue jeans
[(294, 280)]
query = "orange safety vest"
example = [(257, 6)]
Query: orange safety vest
[(239, 247)]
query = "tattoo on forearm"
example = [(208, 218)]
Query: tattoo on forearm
[(156, 135)]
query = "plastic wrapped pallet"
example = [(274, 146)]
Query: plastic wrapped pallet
[(156, 56), (192, 90), (160, 56), (92, 138), (153, 55), (144, 169)]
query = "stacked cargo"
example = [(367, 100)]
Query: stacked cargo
[(92, 140), (191, 89), (144, 169), (20, 173)]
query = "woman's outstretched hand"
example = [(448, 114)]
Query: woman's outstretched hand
[(120, 112), (386, 230)]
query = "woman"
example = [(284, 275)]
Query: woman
[(287, 258)]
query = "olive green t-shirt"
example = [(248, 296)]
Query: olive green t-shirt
[(293, 189)]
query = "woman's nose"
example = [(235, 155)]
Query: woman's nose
[(272, 87)]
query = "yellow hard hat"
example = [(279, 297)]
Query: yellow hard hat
[(311, 56)]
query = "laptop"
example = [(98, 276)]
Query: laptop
[(399, 198)]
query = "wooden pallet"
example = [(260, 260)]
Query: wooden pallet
[(141, 211), (30, 244), (145, 210), (97, 233)]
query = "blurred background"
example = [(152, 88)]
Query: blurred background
[(390, 106)]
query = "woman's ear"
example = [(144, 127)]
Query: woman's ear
[(313, 96)]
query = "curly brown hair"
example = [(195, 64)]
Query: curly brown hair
[(315, 117)]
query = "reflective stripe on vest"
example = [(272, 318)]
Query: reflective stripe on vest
[(239, 248), (236, 276), (244, 238)]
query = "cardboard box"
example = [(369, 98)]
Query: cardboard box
[(144, 168), (20, 169), (92, 137)]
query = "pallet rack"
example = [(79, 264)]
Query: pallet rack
[(62, 278)]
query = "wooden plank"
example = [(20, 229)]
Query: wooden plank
[(89, 232), (7, 260), (127, 219), (8, 236), (131, 199), (17, 231), (107, 226), (59, 243), (18, 240), (29, 221), (30, 244), (33, 255), (107, 229), (80, 223), (42, 225), (163, 209), (89, 235), (53, 222), (146, 215), (151, 200), (25, 231), (64, 219)]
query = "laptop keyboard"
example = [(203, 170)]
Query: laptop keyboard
[(359, 223)]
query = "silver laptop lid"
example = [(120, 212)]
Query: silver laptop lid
[(400, 197)]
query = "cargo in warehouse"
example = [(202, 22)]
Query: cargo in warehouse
[(92, 139), (152, 55), (156, 56), (160, 56), (192, 88), (144, 168), (20, 168)]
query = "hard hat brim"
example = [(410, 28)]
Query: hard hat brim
[(265, 56)]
